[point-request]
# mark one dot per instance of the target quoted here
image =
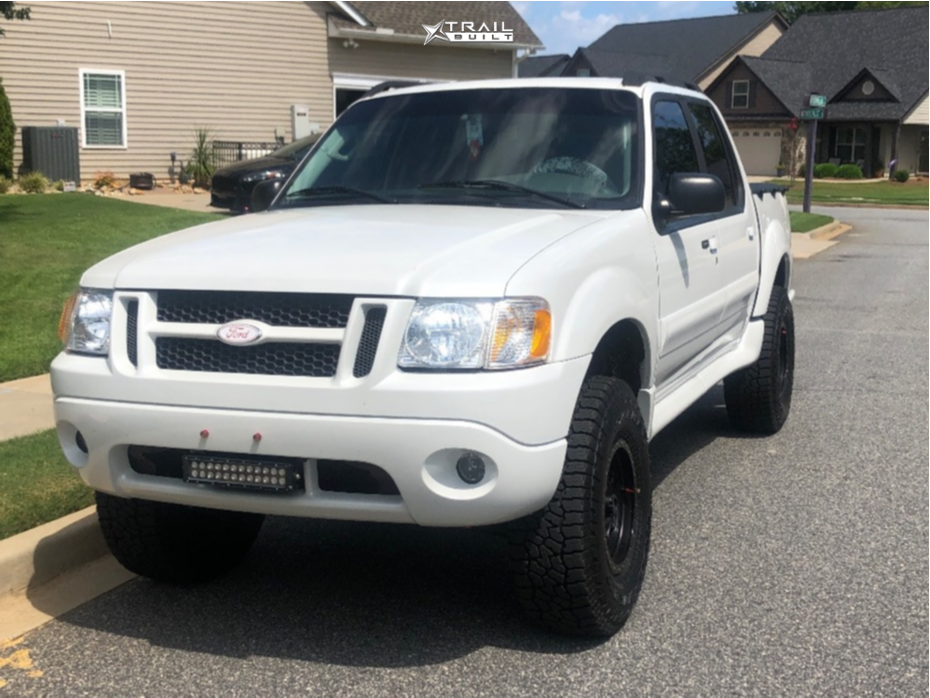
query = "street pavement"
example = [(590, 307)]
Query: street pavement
[(790, 565)]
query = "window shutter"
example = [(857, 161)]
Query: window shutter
[(730, 94), (752, 94)]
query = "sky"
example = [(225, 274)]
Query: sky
[(564, 26)]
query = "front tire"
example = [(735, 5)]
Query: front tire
[(758, 397), (579, 563), (174, 543)]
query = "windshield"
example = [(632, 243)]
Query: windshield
[(538, 147), (297, 149)]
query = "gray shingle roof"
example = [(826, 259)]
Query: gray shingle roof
[(892, 44), (787, 80), (408, 17), (542, 66), (685, 48)]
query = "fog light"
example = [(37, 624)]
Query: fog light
[(470, 468), (81, 443)]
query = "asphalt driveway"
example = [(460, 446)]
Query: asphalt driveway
[(792, 565)]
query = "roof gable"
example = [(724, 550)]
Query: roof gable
[(686, 48), (882, 87)]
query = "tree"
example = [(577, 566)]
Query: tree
[(10, 12), (7, 135), (792, 10)]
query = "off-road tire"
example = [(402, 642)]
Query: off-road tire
[(174, 543), (566, 577), (758, 397)]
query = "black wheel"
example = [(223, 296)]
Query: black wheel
[(579, 563), (758, 397), (174, 543)]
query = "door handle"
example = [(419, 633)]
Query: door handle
[(710, 245)]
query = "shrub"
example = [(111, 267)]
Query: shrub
[(5, 184), (59, 185), (902, 175), (825, 169), (33, 183), (802, 169), (104, 180), (849, 171), (7, 135), (200, 167)]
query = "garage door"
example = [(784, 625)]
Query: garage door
[(759, 150)]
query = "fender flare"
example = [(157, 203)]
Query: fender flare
[(776, 248)]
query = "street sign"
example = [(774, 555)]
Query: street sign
[(813, 113), (818, 101)]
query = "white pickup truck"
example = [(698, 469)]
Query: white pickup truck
[(472, 303)]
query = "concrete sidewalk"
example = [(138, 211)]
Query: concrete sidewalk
[(25, 406)]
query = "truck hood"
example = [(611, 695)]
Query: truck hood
[(396, 250)]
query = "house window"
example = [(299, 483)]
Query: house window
[(739, 95), (850, 144), (583, 72), (103, 108)]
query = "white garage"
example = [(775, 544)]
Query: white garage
[(759, 149)]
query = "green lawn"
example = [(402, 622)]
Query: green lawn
[(46, 243), (806, 222), (867, 193), (36, 483)]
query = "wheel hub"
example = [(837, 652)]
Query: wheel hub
[(619, 504)]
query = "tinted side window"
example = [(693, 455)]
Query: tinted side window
[(674, 146), (716, 154)]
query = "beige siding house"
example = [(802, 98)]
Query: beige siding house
[(137, 78)]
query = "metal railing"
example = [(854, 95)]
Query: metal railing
[(229, 152)]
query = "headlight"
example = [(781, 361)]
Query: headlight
[(85, 322), (262, 176), (464, 334)]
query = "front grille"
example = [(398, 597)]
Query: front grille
[(221, 183), (132, 332), (368, 345), (276, 309), (271, 359)]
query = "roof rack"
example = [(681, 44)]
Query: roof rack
[(391, 85), (637, 80)]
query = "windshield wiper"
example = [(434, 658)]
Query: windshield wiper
[(337, 189), (499, 185)]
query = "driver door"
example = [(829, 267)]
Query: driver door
[(691, 299)]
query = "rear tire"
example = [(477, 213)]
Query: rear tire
[(758, 397), (174, 543), (579, 563)]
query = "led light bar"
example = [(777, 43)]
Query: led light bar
[(243, 473)]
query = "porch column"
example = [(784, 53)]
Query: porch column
[(894, 150)]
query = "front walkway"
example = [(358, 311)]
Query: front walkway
[(25, 406)]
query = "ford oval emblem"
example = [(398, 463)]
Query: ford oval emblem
[(239, 333)]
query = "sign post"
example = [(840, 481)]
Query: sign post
[(812, 116)]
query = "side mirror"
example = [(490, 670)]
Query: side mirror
[(263, 194), (693, 193)]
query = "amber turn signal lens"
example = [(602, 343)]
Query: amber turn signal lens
[(64, 323), (542, 334)]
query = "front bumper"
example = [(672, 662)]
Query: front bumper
[(418, 454)]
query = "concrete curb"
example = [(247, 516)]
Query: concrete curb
[(35, 557), (828, 231)]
